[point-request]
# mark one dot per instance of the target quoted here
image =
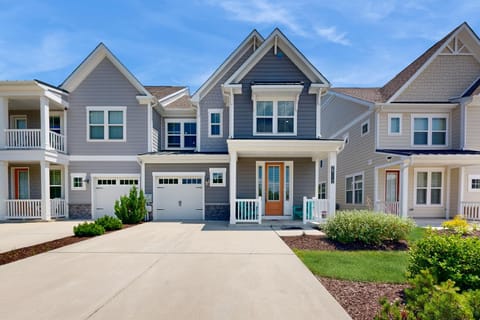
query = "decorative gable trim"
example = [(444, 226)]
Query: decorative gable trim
[(91, 62), (278, 40)]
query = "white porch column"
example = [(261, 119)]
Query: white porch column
[(233, 185), (461, 185), (66, 187), (404, 190), (317, 172), (142, 176), (149, 127), (45, 188), (44, 122), (231, 116), (332, 182), (3, 120), (3, 189), (447, 194)]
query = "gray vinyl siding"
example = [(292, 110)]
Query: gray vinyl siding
[(473, 127), (214, 100), (303, 177), (336, 113), (157, 130), (456, 128), (33, 117), (100, 167), (213, 195), (33, 177), (274, 69), (106, 86)]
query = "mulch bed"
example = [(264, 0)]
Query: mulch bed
[(22, 253)]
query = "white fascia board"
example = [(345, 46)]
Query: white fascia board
[(290, 148), (145, 100), (359, 101), (94, 158), (226, 65), (176, 112), (173, 96), (236, 88), (33, 155), (267, 88), (179, 174), (315, 88), (446, 160), (56, 98), (184, 158), (416, 107)]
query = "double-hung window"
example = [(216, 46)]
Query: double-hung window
[(474, 183), (275, 117), (106, 123), (429, 130), (428, 187), (322, 190), (55, 183), (354, 189), (394, 124), (180, 134), (218, 177), (215, 122)]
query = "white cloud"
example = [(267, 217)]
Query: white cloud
[(331, 34)]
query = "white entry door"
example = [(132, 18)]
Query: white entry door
[(107, 190), (178, 197)]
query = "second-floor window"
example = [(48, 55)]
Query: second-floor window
[(215, 122), (181, 134), (394, 124), (429, 130), (274, 117), (106, 123)]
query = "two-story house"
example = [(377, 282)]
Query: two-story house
[(412, 147), (245, 147)]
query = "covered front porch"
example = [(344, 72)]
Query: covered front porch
[(430, 186), (279, 180)]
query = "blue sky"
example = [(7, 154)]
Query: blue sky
[(353, 43)]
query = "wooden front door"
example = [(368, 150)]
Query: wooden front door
[(21, 183), (274, 185)]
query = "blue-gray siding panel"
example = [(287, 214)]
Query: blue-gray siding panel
[(272, 68), (106, 86)]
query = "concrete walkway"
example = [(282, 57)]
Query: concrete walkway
[(167, 271), (14, 235)]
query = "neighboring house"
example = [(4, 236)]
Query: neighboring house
[(245, 147), (412, 147)]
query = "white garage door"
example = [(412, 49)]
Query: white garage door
[(178, 197), (107, 190)]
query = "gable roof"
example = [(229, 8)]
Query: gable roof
[(278, 38), (91, 62), (227, 64), (161, 92), (398, 83)]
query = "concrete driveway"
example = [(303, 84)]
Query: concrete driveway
[(14, 235), (167, 271)]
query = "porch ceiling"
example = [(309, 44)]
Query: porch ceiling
[(316, 149)]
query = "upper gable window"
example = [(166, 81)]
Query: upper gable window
[(106, 123), (365, 128), (180, 134), (215, 122), (429, 130)]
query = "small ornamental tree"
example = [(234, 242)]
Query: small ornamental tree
[(131, 208)]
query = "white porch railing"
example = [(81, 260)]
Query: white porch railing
[(471, 210), (315, 210), (58, 208), (23, 138), (57, 141), (390, 207), (248, 210), (24, 209)]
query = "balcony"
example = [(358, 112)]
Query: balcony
[(32, 139)]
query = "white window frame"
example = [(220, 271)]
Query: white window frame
[(353, 188), (470, 178), (61, 185), (83, 176), (367, 122), (429, 172), (275, 100), (319, 193), (105, 110), (210, 112), (15, 117), (390, 117), (430, 131), (182, 122), (223, 172)]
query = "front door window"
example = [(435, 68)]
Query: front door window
[(21, 183), (274, 188), (391, 187)]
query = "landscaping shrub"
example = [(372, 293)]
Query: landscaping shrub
[(88, 229), (458, 224), (368, 227), (131, 209), (109, 223), (447, 257)]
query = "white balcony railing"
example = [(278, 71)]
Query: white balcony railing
[(24, 209), (390, 207), (315, 210), (23, 138), (471, 210), (57, 141), (58, 208), (248, 210)]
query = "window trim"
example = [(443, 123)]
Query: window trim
[(275, 99), (430, 131), (390, 117), (83, 176), (429, 187), (182, 121), (319, 191), (210, 112), (223, 171), (105, 110), (470, 178), (366, 122), (15, 117), (353, 188), (62, 188)]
